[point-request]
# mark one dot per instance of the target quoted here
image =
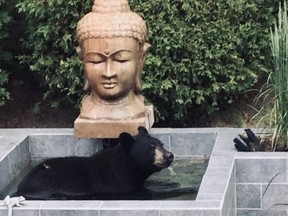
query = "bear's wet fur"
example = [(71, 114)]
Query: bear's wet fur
[(110, 172)]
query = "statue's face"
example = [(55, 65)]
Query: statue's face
[(111, 66)]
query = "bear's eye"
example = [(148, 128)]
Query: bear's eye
[(153, 145)]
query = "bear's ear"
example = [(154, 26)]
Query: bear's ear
[(126, 141), (142, 130)]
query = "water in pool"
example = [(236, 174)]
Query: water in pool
[(180, 182)]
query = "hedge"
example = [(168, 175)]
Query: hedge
[(5, 56), (204, 53)]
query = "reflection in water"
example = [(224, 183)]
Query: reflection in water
[(179, 182)]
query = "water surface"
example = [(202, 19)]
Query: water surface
[(180, 182)]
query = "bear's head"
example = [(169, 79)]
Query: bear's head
[(147, 152)]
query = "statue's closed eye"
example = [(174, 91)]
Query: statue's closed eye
[(119, 56), (95, 58), (122, 55)]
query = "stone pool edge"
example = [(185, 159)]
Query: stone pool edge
[(216, 194)]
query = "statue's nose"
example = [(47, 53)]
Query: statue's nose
[(109, 72)]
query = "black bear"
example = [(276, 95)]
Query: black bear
[(122, 169)]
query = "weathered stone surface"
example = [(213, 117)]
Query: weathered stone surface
[(89, 128), (113, 49)]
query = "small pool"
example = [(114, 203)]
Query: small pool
[(180, 182), (173, 193)]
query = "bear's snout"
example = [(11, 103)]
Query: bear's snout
[(168, 156), (163, 158)]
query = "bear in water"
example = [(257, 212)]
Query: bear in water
[(119, 170)]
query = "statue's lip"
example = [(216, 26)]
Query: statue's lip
[(109, 85)]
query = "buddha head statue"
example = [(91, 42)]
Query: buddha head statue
[(113, 49)]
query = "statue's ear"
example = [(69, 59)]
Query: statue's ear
[(86, 83), (79, 51), (145, 50)]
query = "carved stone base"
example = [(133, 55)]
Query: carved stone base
[(87, 128)]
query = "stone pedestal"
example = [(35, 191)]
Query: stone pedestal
[(87, 128)]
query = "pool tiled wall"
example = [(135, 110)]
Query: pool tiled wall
[(233, 183), (261, 183)]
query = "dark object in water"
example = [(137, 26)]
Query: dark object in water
[(119, 170), (246, 144)]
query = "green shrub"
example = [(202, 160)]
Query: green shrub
[(5, 56), (278, 79), (4, 94), (51, 40), (203, 52)]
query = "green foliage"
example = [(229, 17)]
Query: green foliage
[(4, 94), (51, 39), (279, 78), (203, 52), (5, 56)]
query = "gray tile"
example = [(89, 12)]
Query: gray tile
[(87, 147), (194, 212), (276, 196), (71, 212), (231, 212), (209, 196), (131, 204), (261, 213), (10, 140), (194, 131), (4, 173), (26, 212), (162, 131), (220, 174), (186, 204), (248, 196), (24, 151), (229, 203), (45, 146), (71, 205), (213, 186), (14, 162), (70, 208), (260, 170), (183, 144), (3, 211), (131, 212), (18, 158), (7, 145), (51, 131), (221, 162), (139, 208)]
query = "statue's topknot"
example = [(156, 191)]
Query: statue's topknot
[(112, 6), (111, 18)]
